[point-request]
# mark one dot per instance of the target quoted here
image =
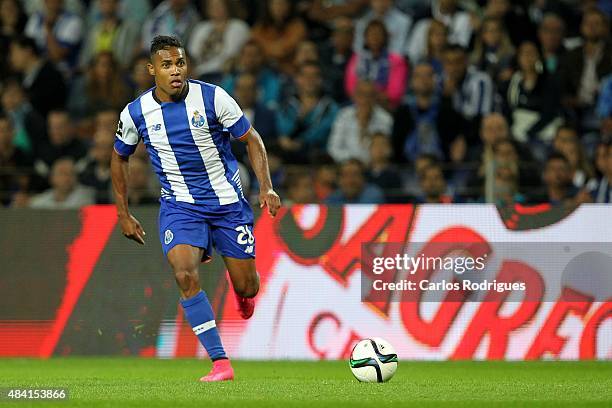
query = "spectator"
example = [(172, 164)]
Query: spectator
[(409, 6), (580, 168), (550, 36), (61, 143), (139, 183), (95, 171), (531, 100), (306, 52), (38, 6), (251, 60), (435, 41), (601, 191), (604, 107), (351, 132), (377, 63), (397, 25), (507, 173), (43, 83), (437, 35), (28, 124), (493, 51), (601, 159), (65, 192), (536, 10), (353, 188), (425, 123), (278, 33), (110, 33), (12, 18), (102, 85), (325, 178), (583, 67), (433, 186), (448, 12), (15, 164), (506, 187), (564, 136), (304, 121), (106, 119), (381, 172), (170, 17), (325, 11), (300, 188), (413, 177), (262, 118), (135, 11), (140, 80), (57, 33), (12, 23), (216, 40), (493, 129), (470, 90), (558, 181), (514, 17), (335, 55)]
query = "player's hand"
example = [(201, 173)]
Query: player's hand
[(131, 228), (271, 200)]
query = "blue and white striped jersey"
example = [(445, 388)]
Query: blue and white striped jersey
[(188, 142)]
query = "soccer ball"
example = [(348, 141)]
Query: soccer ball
[(373, 360)]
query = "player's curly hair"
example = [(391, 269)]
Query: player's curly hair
[(162, 42)]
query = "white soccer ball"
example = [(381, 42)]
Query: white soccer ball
[(373, 360)]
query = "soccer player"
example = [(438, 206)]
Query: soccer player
[(186, 126)]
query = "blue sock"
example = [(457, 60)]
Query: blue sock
[(202, 319)]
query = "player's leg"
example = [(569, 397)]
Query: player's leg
[(185, 260), (232, 235), (243, 275), (245, 281), (186, 241)]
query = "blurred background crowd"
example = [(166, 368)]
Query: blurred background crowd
[(358, 101)]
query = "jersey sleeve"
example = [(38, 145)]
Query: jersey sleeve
[(230, 115), (127, 137)]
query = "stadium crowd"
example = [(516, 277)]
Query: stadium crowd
[(358, 101)]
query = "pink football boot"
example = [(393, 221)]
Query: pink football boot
[(246, 306), (221, 371)]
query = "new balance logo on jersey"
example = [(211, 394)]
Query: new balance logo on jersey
[(156, 127), (197, 120), (249, 249)]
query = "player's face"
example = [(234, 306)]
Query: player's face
[(169, 67)]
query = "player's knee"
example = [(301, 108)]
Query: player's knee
[(186, 276), (247, 288)]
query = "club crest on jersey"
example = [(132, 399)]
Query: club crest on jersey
[(197, 120), (168, 237)]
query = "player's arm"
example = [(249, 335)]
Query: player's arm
[(231, 116), (130, 226), (259, 162), (125, 143)]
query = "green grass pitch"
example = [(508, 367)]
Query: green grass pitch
[(132, 382)]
